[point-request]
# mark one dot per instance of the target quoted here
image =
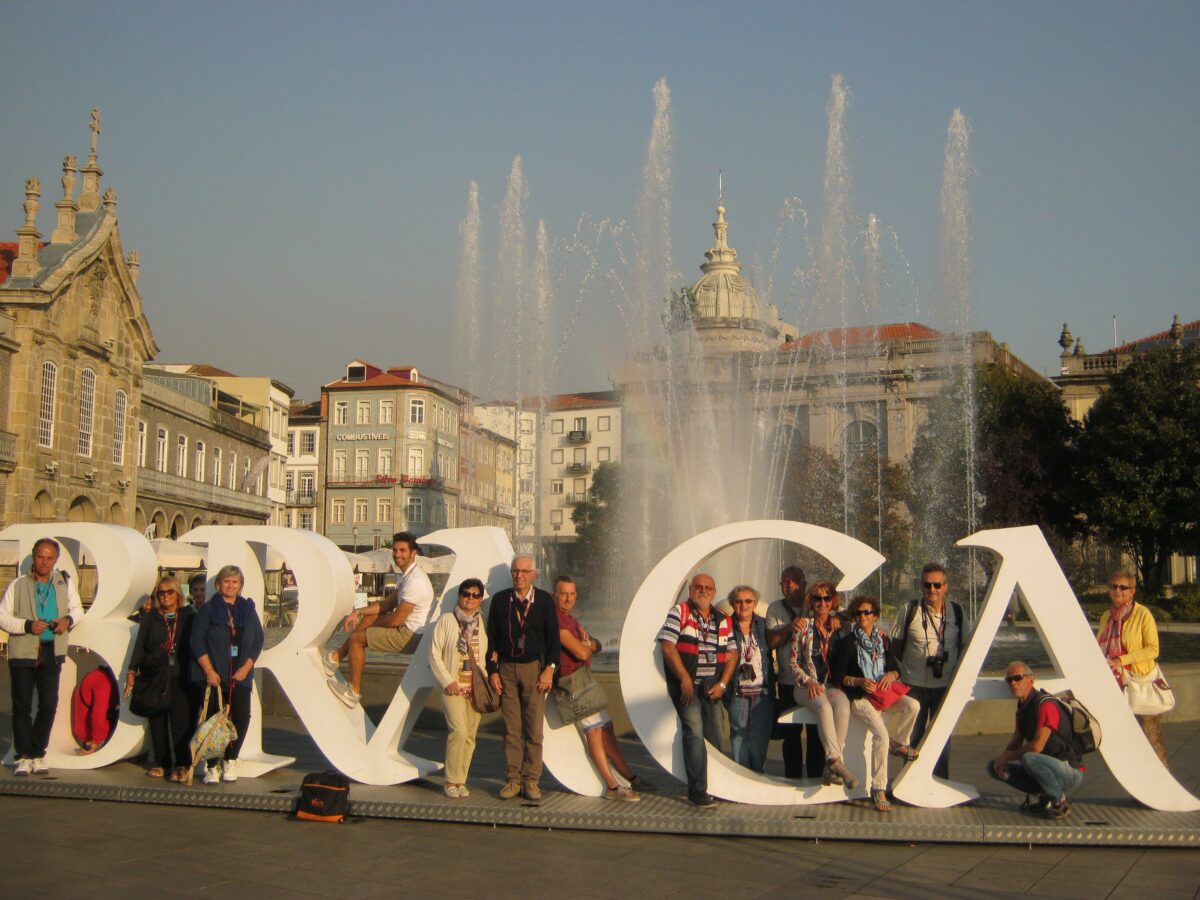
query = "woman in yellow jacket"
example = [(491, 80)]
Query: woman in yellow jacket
[(1129, 639)]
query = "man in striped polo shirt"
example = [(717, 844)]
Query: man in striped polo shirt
[(700, 657)]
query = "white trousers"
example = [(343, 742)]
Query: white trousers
[(902, 714), (832, 709)]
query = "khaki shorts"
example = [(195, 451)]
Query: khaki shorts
[(387, 639)]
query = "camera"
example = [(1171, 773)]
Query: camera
[(937, 664)]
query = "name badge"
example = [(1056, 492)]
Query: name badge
[(233, 651)]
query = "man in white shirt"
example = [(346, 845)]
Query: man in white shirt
[(391, 625)]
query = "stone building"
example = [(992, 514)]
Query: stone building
[(303, 480), (391, 455), (198, 464), (74, 340), (488, 475), (520, 423)]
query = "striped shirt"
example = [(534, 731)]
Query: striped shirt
[(709, 642)]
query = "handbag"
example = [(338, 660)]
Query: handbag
[(484, 698), (886, 697), (151, 691), (579, 695), (213, 734), (1149, 695)]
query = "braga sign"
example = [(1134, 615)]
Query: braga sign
[(373, 753)]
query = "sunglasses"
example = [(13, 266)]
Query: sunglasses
[(471, 595), (166, 593), (1120, 587), (1014, 679), (822, 598), (863, 613), (932, 585)]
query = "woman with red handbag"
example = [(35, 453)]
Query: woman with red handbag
[(866, 667)]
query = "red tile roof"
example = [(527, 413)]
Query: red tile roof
[(862, 334), (1159, 337), (210, 371), (8, 252)]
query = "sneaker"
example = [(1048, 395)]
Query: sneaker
[(229, 770), (212, 774), (838, 768), (829, 776), (703, 800), (24, 767), (532, 792), (344, 692), (1036, 803), (641, 785), (1058, 809), (622, 793), (40, 767), (330, 663), (453, 791), (510, 790)]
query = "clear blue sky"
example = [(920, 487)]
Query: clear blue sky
[(293, 174)]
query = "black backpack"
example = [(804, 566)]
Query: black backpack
[(1085, 730), (324, 797)]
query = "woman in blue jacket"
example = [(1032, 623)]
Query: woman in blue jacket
[(227, 638)]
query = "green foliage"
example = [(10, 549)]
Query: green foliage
[(1138, 475), (596, 524), (1185, 605)]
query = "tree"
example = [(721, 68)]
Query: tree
[(1139, 462), (596, 527)]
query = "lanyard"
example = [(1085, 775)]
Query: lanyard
[(927, 618)]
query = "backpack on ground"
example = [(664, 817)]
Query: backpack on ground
[(324, 797), (1085, 730)]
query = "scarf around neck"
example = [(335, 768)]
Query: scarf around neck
[(467, 625), (871, 655), (1112, 638)]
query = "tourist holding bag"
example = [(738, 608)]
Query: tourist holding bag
[(1129, 639)]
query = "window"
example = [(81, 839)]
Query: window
[(308, 484), (859, 438), (141, 443), (160, 458), (527, 457), (362, 463), (556, 426), (556, 457), (119, 409), (603, 423), (246, 478), (387, 412), (451, 516), (233, 470), (580, 488), (362, 412), (289, 482), (339, 463), (383, 511), (416, 510), (360, 510), (199, 470), (580, 423), (306, 521), (87, 411), (416, 462), (291, 445), (526, 425), (341, 412), (556, 486), (337, 512), (385, 461), (602, 454), (556, 517), (181, 456), (46, 411), (526, 485), (308, 443), (579, 456), (416, 412), (217, 466)]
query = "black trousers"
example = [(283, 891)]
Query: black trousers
[(31, 735), (239, 711), (797, 762), (930, 700), (171, 730)]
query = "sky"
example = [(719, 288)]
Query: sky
[(294, 175)]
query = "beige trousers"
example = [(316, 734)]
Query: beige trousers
[(463, 722), (903, 714)]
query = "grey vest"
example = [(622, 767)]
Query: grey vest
[(25, 646)]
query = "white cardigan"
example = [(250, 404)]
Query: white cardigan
[(443, 649)]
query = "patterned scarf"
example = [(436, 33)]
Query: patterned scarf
[(467, 625), (871, 657), (1111, 638)]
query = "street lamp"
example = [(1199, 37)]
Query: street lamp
[(354, 531)]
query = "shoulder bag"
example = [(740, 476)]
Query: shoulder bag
[(1149, 695), (484, 698), (213, 734), (151, 690), (579, 695)]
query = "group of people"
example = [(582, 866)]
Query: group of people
[(729, 675)]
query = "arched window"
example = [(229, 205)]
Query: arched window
[(160, 459), (199, 470), (46, 410), (87, 412), (120, 405), (860, 437)]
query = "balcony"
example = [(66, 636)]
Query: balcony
[(362, 481), (302, 498), (578, 437), (172, 488), (578, 468), (8, 451), (574, 499)]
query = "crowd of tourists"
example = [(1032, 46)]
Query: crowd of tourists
[(730, 675)]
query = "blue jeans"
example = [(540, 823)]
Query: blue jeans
[(751, 720), (1037, 773), (701, 719)]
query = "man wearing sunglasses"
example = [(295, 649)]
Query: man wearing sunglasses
[(1041, 758), (929, 635)]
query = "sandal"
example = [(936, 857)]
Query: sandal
[(905, 752), (177, 775), (156, 772), (880, 799)]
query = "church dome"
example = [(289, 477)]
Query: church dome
[(722, 292)]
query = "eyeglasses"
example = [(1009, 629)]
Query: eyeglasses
[(1015, 679), (932, 585), (703, 589), (166, 593), (745, 600), (863, 613), (1120, 587), (522, 571), (471, 595)]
